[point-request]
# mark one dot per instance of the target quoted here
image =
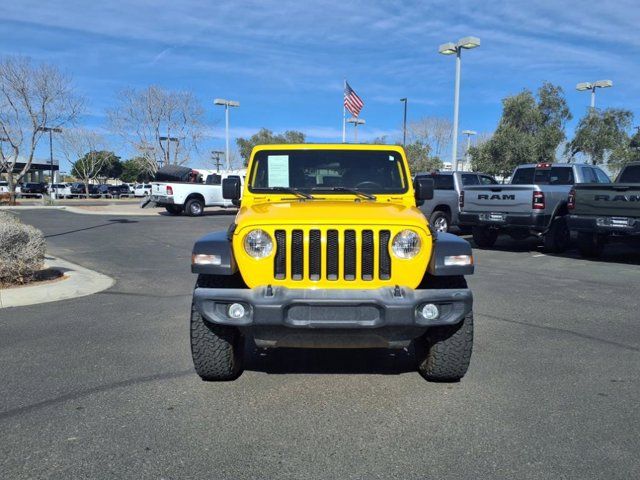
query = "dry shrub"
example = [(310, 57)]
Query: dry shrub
[(22, 249)]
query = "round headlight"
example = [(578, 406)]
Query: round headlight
[(258, 244), (406, 244)]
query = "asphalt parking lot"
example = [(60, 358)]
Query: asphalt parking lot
[(103, 386)]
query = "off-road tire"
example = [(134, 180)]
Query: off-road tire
[(173, 209), (590, 245), (558, 238), (440, 219), (194, 208), (448, 351), (216, 349), (484, 237)]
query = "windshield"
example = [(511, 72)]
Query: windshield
[(630, 174), (329, 171)]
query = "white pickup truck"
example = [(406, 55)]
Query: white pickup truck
[(197, 190)]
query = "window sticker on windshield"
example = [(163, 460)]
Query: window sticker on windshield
[(278, 170)]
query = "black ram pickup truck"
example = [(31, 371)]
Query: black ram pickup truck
[(601, 211)]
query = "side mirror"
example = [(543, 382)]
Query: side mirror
[(423, 187), (231, 188)]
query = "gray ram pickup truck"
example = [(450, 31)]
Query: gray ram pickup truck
[(598, 212), (443, 209), (533, 203)]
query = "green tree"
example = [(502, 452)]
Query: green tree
[(419, 158), (133, 170), (530, 130), (267, 137), (111, 166), (600, 133)]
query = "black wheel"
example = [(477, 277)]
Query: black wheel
[(590, 245), (216, 349), (173, 209), (484, 237), (440, 221), (448, 351), (558, 238), (194, 207)]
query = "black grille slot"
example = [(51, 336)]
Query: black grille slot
[(333, 252), (385, 259), (315, 255), (349, 255), (297, 255), (280, 260), (367, 255)]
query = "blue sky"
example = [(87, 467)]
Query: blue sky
[(285, 60)]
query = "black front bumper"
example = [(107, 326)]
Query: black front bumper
[(532, 221), (589, 223), (332, 309)]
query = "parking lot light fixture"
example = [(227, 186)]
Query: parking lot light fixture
[(451, 48), (584, 86), (355, 121), (51, 131), (226, 104)]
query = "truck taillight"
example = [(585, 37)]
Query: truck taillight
[(571, 201), (461, 200), (169, 190), (538, 201)]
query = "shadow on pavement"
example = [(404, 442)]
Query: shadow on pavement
[(112, 221), (328, 361)]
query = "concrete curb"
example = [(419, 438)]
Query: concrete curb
[(79, 282), (82, 211)]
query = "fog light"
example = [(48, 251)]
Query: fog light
[(236, 310), (430, 311)]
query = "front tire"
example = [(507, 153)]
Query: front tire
[(484, 237), (590, 245), (440, 221), (448, 351), (216, 349), (558, 238)]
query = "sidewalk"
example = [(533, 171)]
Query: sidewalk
[(77, 282)]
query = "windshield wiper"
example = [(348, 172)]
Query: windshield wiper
[(353, 191), (291, 190)]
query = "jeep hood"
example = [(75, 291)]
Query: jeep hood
[(321, 212)]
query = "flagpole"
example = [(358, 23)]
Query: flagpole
[(344, 113)]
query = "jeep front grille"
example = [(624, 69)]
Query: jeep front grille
[(332, 254)]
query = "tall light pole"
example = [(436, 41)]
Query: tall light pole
[(169, 140), (356, 121), (227, 104), (404, 122), (581, 87), (451, 48), (51, 130), (468, 133)]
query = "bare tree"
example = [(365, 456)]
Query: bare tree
[(163, 126), (31, 97), (432, 131), (84, 149)]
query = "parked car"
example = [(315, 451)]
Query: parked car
[(190, 192), (78, 188), (329, 250), (443, 209), (33, 189), (142, 190), (119, 190), (599, 212), (534, 203), (4, 187), (61, 190)]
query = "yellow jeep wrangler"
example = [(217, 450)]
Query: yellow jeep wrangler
[(328, 250)]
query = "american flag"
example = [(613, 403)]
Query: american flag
[(352, 101)]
